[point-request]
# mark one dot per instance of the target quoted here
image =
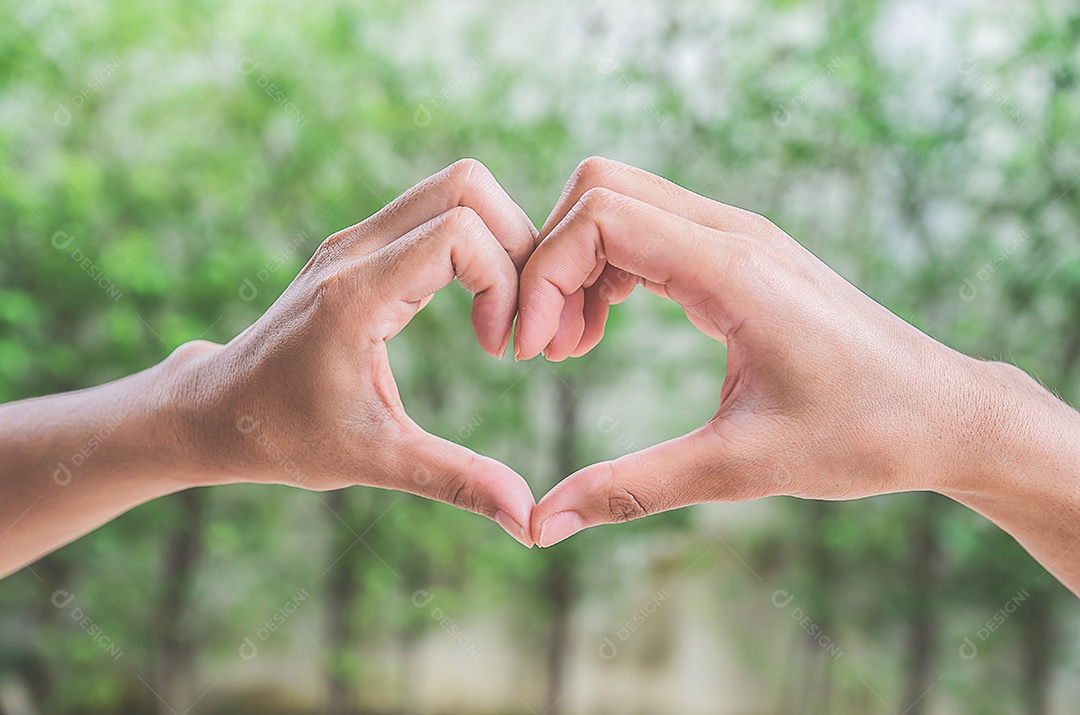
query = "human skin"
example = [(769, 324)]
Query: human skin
[(303, 397), (827, 395)]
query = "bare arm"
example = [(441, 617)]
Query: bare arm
[(71, 462), (1024, 472)]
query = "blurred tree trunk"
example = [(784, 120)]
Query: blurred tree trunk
[(176, 649), (407, 693), (1039, 637), (416, 572), (817, 689), (808, 686), (560, 577), (42, 674), (1039, 624), (342, 592), (924, 620)]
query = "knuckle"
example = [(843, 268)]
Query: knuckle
[(451, 482), (457, 490), (591, 170), (756, 226), (333, 283), (597, 199), (459, 219), (623, 503), (196, 348), (466, 171), (624, 506), (339, 241), (334, 291)]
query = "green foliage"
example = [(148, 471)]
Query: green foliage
[(158, 156)]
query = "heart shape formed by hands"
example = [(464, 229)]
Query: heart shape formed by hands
[(810, 357)]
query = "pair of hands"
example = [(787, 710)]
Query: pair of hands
[(827, 395)]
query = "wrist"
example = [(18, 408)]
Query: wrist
[(1013, 436), (223, 435), (195, 412)]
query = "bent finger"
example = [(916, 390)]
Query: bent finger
[(465, 183), (693, 264), (599, 172), (457, 243)]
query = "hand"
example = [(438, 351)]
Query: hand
[(827, 395), (305, 396)]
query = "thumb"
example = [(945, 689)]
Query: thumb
[(692, 469), (448, 472)]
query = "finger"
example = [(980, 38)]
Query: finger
[(594, 316), (611, 287), (571, 326), (598, 172), (447, 472), (692, 469), (466, 183), (689, 261), (455, 243)]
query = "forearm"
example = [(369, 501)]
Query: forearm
[(1025, 473), (71, 462)]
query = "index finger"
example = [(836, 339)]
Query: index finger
[(598, 172), (606, 228), (466, 183)]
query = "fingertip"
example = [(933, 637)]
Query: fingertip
[(528, 334), (514, 529), (587, 343), (559, 527), (570, 329), (492, 321)]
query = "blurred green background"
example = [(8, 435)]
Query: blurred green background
[(169, 166)]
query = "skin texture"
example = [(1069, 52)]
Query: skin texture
[(827, 394), (303, 397)]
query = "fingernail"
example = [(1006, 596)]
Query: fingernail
[(505, 344), (517, 351), (561, 526), (512, 527)]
